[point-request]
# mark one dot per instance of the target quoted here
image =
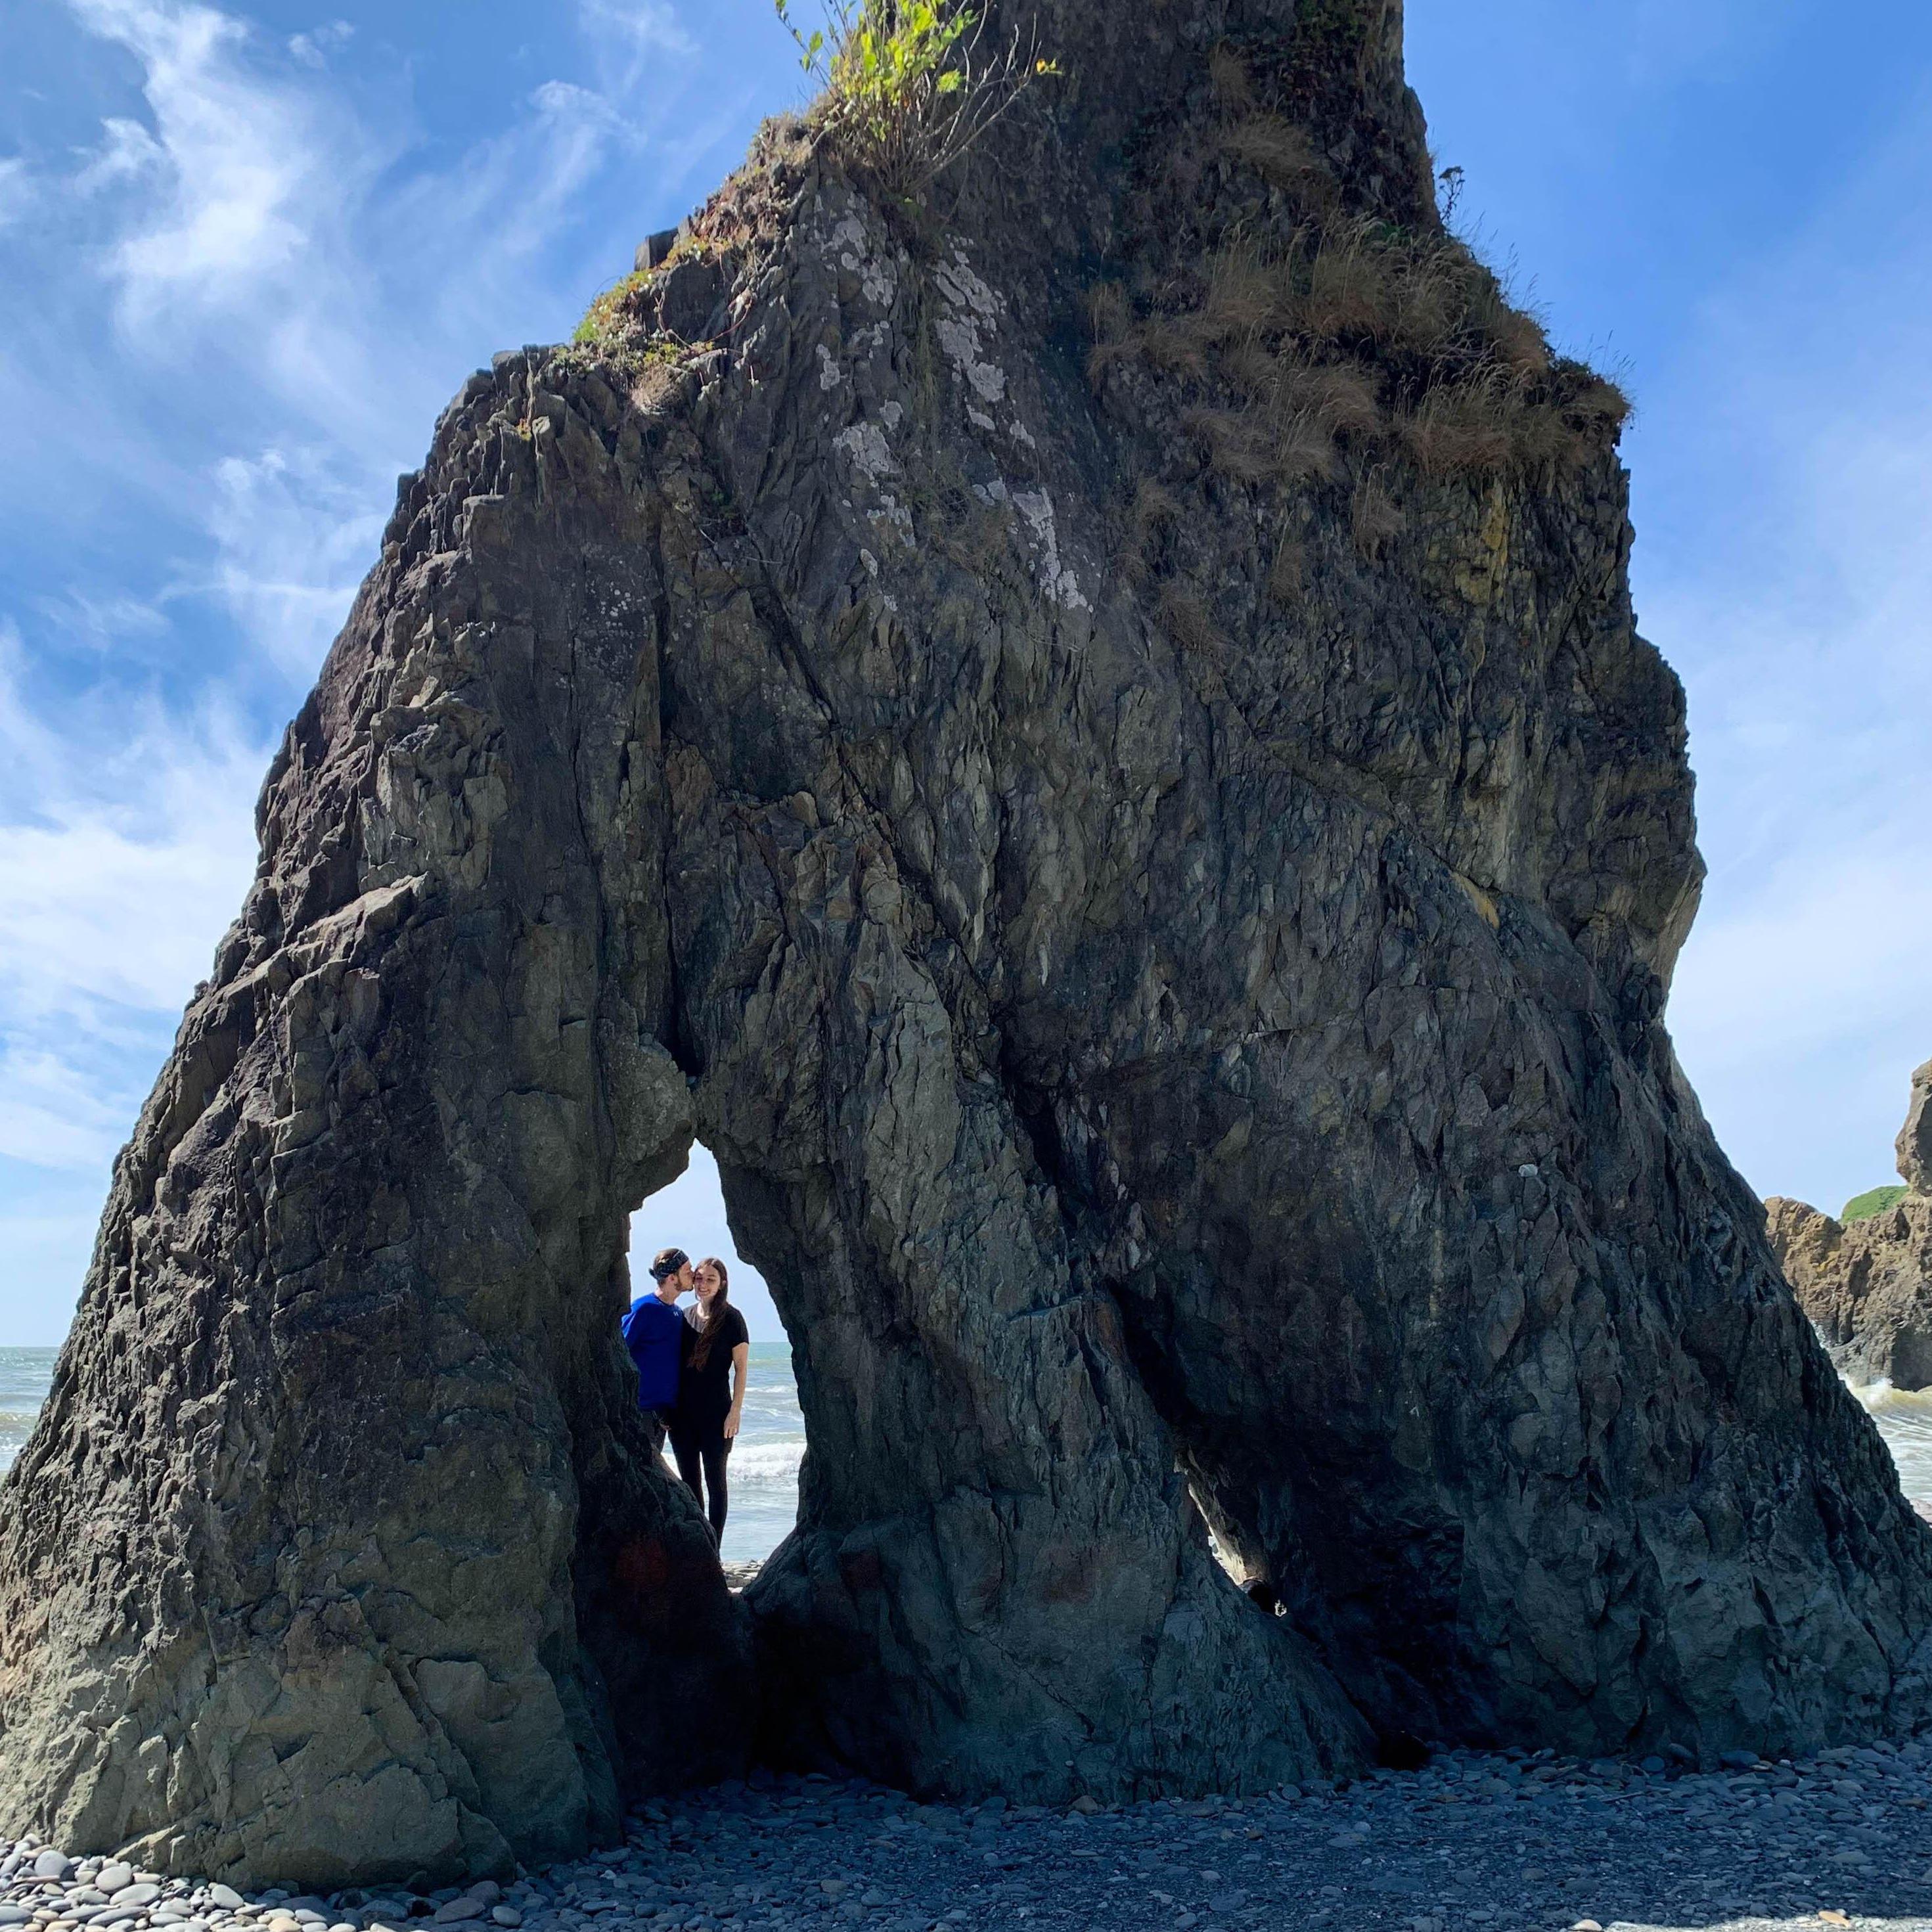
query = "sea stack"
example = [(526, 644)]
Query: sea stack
[(1080, 723), (1866, 1284)]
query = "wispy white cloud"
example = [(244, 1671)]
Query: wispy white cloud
[(237, 162), (240, 226), (127, 838), (236, 312), (293, 535), (127, 152), (1803, 624), (17, 190), (102, 622), (313, 48), (126, 841), (644, 27)]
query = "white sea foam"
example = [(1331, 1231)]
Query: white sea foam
[(767, 1464), (1904, 1419), (25, 1375)]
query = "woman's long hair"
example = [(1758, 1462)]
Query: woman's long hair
[(707, 1330)]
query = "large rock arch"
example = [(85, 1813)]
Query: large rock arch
[(1151, 1036)]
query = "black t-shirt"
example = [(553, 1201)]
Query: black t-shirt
[(704, 1394)]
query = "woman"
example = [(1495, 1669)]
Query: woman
[(717, 1346)]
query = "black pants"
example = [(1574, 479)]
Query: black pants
[(701, 1449)]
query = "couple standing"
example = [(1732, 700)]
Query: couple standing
[(691, 1369)]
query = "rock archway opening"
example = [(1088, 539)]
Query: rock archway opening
[(762, 1469)]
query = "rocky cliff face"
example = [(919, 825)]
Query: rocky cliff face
[(1090, 740), (1867, 1285)]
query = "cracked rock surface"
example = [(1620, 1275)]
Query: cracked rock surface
[(1174, 1051)]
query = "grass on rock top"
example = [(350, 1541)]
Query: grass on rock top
[(1873, 1201)]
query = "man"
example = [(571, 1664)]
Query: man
[(653, 1330)]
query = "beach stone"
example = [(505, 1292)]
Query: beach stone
[(110, 1878), (52, 1864), (136, 1894), (226, 1897)]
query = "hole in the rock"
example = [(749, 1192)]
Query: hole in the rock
[(762, 1470), (1223, 1537)]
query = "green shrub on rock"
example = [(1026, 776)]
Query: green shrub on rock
[(1873, 1201), (907, 86)]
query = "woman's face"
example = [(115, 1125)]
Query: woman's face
[(707, 1281)]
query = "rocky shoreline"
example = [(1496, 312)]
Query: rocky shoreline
[(1502, 1843), (1866, 1282)]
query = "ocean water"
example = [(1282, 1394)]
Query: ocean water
[(1905, 1421), (763, 1469), (25, 1376), (761, 1478)]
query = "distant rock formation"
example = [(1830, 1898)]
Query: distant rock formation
[(1091, 742), (1915, 1138), (1867, 1285)]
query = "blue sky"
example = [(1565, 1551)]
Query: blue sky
[(246, 256)]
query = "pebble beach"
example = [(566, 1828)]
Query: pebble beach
[(1492, 1843)]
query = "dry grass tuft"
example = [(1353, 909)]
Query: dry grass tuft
[(1351, 334), (1152, 510), (1228, 75), (1514, 337), (1175, 345), (1598, 404), (1278, 151), (1466, 430), (1110, 316), (1348, 292), (1186, 165), (1244, 297), (1239, 443), (1288, 569), (1185, 620), (1339, 396), (1373, 518), (1110, 313), (1153, 514), (1253, 368), (1304, 448)]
